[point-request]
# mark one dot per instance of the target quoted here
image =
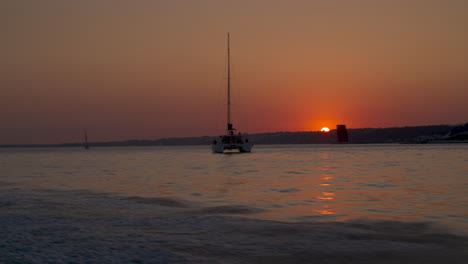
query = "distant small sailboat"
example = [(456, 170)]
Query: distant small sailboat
[(85, 143), (230, 141)]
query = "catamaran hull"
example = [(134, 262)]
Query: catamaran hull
[(231, 142), (223, 148)]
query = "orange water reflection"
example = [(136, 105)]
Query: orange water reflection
[(325, 211), (326, 196)]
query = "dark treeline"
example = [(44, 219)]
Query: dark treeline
[(417, 134), (364, 135)]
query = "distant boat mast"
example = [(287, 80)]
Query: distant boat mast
[(85, 144)]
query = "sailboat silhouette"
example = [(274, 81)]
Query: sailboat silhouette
[(230, 141)]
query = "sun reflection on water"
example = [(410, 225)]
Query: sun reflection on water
[(325, 211), (326, 196)]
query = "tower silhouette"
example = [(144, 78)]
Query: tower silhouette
[(342, 133)]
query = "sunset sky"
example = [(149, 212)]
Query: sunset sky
[(148, 69)]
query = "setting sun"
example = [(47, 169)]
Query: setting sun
[(325, 129)]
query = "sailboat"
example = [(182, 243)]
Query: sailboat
[(231, 141), (85, 144)]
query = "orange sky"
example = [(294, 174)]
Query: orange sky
[(150, 69)]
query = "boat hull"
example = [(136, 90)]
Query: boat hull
[(229, 143)]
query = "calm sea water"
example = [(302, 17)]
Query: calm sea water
[(293, 183), (279, 204)]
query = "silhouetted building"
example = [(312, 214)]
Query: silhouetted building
[(342, 133)]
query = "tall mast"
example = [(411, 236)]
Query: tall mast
[(229, 86)]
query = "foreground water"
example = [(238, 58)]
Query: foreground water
[(284, 204)]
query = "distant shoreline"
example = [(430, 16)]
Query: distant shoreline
[(405, 135)]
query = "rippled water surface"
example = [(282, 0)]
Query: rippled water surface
[(294, 183)]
